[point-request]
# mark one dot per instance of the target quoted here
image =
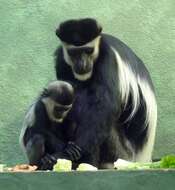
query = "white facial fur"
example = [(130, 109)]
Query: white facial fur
[(93, 44), (49, 104), (29, 120), (59, 83)]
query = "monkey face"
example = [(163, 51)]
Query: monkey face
[(58, 98), (56, 111), (60, 112), (82, 58), (80, 40)]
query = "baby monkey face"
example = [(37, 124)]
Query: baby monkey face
[(58, 98), (61, 111)]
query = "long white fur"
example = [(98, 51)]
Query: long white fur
[(151, 119), (49, 104), (28, 122), (129, 82)]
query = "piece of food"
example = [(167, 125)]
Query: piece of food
[(23, 168), (62, 165), (2, 167), (126, 165), (86, 167), (166, 162)]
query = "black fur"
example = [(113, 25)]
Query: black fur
[(60, 94), (87, 30), (41, 139), (46, 140), (99, 114)]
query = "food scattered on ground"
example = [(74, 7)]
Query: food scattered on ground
[(62, 165), (22, 168), (2, 167), (166, 162), (86, 167), (66, 165)]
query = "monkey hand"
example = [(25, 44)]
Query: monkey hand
[(47, 162), (73, 151)]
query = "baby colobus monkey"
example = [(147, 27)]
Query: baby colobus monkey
[(45, 135)]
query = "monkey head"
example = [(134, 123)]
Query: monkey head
[(58, 98), (80, 41)]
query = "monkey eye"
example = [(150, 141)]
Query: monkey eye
[(61, 109), (77, 51), (73, 52)]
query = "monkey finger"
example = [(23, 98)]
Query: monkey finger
[(46, 167), (52, 159), (75, 149), (45, 160), (73, 153), (46, 164), (70, 154), (76, 153), (70, 143)]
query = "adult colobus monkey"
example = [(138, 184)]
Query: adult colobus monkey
[(46, 134), (115, 107)]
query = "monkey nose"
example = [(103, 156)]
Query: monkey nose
[(82, 67), (57, 114)]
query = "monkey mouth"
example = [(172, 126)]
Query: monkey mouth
[(84, 76), (57, 120), (58, 115)]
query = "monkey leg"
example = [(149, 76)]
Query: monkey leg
[(35, 149)]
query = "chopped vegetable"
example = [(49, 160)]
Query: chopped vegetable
[(86, 167), (2, 167), (66, 165), (62, 165), (166, 162)]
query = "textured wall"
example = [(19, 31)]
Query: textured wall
[(27, 43)]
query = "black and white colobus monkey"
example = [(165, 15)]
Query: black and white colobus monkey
[(115, 109), (46, 134)]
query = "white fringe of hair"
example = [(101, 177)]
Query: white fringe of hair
[(130, 82), (82, 77), (28, 122)]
